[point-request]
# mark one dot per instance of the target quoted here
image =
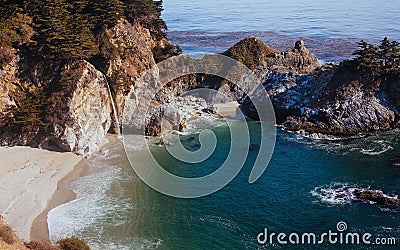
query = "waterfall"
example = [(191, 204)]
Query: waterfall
[(117, 124)]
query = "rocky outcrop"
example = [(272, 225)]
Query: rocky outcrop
[(376, 197), (75, 118), (254, 53), (89, 116), (346, 104), (335, 99), (75, 112), (298, 60), (132, 54)]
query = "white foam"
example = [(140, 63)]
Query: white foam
[(92, 206), (221, 222), (96, 205), (380, 148), (335, 194), (343, 193)]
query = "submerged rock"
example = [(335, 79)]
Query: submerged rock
[(376, 197)]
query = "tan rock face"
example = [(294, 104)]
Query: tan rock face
[(89, 116), (133, 56), (8, 80), (298, 60), (77, 116)]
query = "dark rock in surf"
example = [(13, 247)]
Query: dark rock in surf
[(376, 197), (163, 142), (396, 162)]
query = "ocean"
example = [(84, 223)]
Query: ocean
[(307, 186)]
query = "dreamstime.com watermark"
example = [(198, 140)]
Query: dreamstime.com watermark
[(332, 237)]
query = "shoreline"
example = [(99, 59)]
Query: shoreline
[(28, 180), (39, 229)]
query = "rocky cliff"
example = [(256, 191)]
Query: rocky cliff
[(66, 107), (71, 118), (332, 102), (332, 99)]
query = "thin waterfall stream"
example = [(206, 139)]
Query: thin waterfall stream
[(117, 124)]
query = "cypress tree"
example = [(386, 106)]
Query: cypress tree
[(148, 14), (367, 57), (384, 52), (60, 35), (8, 8), (104, 13)]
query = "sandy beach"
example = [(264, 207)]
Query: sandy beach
[(39, 229), (29, 178)]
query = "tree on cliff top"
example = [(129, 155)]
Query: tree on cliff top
[(148, 14), (367, 57), (15, 29), (389, 53), (60, 35), (102, 14), (384, 59)]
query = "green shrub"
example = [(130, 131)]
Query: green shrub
[(162, 53), (250, 51), (35, 245), (72, 244)]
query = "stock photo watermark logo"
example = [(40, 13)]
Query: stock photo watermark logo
[(246, 85), (331, 237)]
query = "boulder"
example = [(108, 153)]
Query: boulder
[(182, 125), (163, 142)]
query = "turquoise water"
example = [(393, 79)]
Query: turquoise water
[(304, 189), (307, 187), (293, 195)]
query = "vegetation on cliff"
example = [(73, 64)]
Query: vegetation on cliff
[(45, 37), (67, 30), (8, 240), (379, 60), (374, 67), (250, 51)]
